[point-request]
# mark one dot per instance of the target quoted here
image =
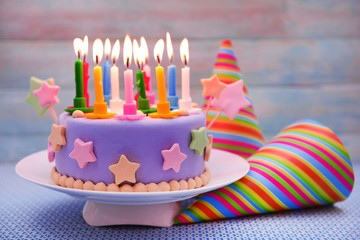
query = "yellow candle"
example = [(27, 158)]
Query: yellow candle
[(160, 78), (99, 97)]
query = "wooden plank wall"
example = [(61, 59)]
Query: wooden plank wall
[(300, 59)]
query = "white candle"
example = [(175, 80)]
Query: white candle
[(185, 83), (114, 73)]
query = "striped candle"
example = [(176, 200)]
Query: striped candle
[(242, 135), (305, 165)]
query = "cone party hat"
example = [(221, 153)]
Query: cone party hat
[(241, 135), (305, 165)]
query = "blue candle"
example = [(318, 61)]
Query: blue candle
[(106, 72), (172, 80)]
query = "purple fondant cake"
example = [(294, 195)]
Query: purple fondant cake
[(132, 153)]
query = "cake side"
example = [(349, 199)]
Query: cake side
[(142, 142)]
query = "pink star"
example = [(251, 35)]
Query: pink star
[(232, 99), (212, 86), (47, 94), (173, 158), (83, 152)]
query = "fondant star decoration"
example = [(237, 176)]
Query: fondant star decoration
[(51, 153), (35, 84), (173, 158), (199, 140), (231, 99), (47, 94), (83, 152), (212, 86), (57, 137), (124, 170), (208, 148)]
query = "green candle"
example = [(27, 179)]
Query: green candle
[(79, 78), (140, 84)]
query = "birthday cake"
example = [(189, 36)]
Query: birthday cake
[(145, 155), (131, 147)]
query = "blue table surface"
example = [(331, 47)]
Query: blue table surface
[(31, 211)]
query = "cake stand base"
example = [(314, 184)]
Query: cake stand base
[(158, 215)]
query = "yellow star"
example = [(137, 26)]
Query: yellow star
[(124, 170), (212, 86), (57, 137)]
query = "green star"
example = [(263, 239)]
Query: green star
[(199, 140), (35, 84)]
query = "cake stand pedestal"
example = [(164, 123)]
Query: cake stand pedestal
[(103, 214)]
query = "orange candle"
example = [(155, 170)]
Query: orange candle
[(160, 76)]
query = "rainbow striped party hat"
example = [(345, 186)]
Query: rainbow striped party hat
[(241, 135), (305, 165)]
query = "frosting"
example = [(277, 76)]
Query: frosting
[(140, 141), (173, 185)]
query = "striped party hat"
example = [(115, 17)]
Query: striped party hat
[(305, 165), (241, 135)]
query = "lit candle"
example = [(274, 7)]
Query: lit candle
[(106, 72), (146, 67), (128, 73), (139, 74), (78, 69), (116, 104), (129, 107), (115, 71), (100, 107), (163, 106), (97, 55), (86, 77), (171, 67), (185, 103), (185, 71), (79, 100), (172, 98), (160, 77)]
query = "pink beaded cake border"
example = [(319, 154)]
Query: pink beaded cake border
[(173, 185)]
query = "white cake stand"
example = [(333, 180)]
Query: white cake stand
[(134, 208)]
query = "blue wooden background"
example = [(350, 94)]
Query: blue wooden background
[(300, 59)]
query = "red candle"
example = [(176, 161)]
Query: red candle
[(85, 70)]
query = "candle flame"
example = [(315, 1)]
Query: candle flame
[(85, 46), (158, 50), (145, 49), (169, 46), (137, 53), (77, 46), (184, 51), (127, 50), (107, 48), (97, 50), (115, 51)]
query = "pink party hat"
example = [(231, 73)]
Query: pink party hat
[(305, 165), (241, 135)]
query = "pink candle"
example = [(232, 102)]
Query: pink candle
[(128, 74), (128, 80)]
